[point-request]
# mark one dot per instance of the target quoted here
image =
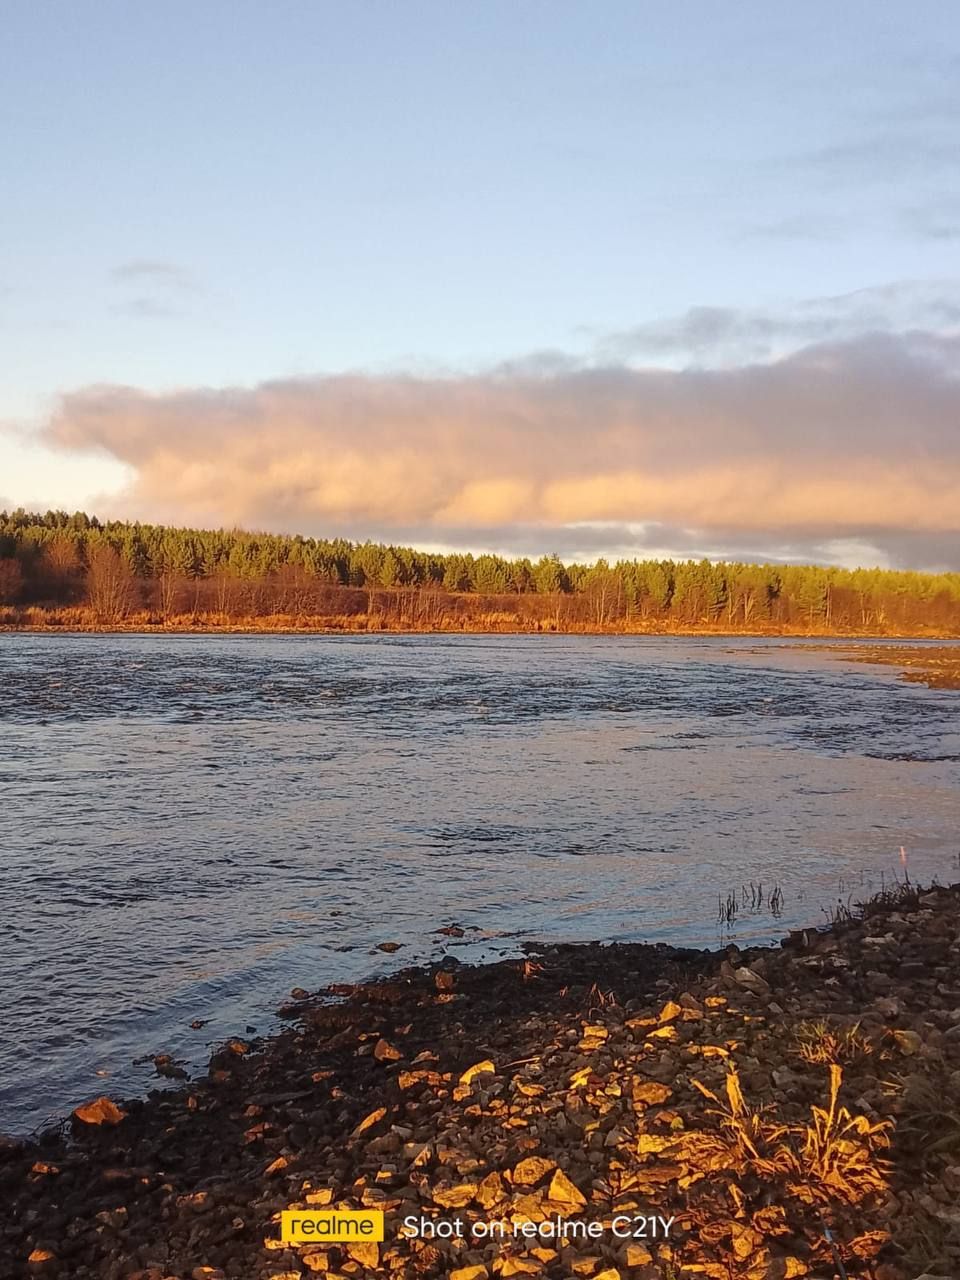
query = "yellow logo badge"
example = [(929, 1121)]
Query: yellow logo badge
[(331, 1226)]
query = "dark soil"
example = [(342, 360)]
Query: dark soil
[(596, 1062)]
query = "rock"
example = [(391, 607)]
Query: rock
[(565, 1192), (888, 1007), (638, 1255), (908, 1041), (164, 1065), (532, 1170), (101, 1111), (798, 939), (384, 1051), (478, 1069), (196, 1201), (114, 1218), (42, 1261), (751, 981), (389, 947)]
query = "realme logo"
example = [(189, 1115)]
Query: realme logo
[(330, 1226)]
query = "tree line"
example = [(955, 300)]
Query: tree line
[(119, 570)]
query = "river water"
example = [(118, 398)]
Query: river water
[(192, 825)]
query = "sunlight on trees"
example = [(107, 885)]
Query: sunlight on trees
[(117, 569)]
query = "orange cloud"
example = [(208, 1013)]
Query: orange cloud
[(840, 438)]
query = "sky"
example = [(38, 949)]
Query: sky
[(622, 279)]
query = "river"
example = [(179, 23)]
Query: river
[(192, 825)]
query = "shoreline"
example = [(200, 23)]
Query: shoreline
[(458, 1091), (364, 627)]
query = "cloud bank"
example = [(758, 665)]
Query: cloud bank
[(845, 450), (723, 336)]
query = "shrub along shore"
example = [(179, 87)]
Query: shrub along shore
[(452, 616), (794, 1110)]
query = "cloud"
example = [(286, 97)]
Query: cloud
[(938, 219), (160, 288), (906, 130), (153, 271), (810, 227), (885, 157), (146, 308), (887, 547), (725, 335), (837, 443)]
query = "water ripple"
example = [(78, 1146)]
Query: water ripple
[(190, 826)]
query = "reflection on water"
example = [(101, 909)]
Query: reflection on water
[(190, 826)]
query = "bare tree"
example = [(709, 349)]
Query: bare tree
[(169, 593), (110, 584), (62, 568)]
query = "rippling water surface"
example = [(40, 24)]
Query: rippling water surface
[(192, 825)]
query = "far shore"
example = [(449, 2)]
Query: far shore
[(763, 1114), (34, 623), (921, 660)]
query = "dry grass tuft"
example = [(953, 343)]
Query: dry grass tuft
[(840, 1155), (821, 1045), (780, 1178), (836, 1156)]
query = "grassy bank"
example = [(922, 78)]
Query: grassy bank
[(473, 621), (794, 1110)]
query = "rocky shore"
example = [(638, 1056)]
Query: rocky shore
[(794, 1111), (935, 666)]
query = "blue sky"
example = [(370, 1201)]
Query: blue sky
[(221, 195)]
